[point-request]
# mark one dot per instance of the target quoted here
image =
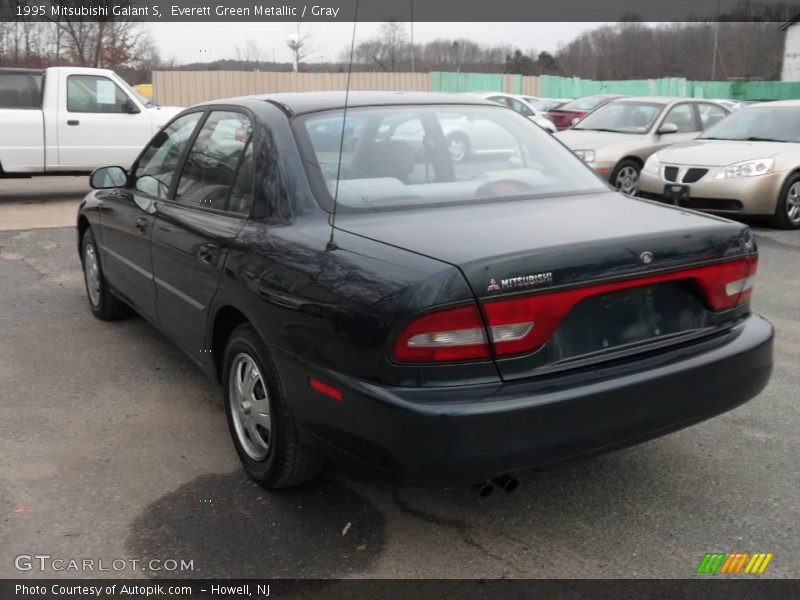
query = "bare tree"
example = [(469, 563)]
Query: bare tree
[(300, 42), (251, 52)]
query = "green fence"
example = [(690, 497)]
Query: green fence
[(572, 87), (475, 82)]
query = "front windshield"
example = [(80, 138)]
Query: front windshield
[(146, 102), (623, 117), (403, 156), (585, 103), (779, 123)]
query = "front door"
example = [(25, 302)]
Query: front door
[(195, 229), (128, 215), (100, 124)]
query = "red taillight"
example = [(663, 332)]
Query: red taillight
[(448, 335), (522, 324)]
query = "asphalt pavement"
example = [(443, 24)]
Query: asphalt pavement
[(114, 446)]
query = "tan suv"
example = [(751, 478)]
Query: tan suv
[(617, 138)]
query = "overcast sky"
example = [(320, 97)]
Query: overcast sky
[(205, 42)]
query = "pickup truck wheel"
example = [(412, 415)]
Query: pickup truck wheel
[(787, 209), (104, 305), (263, 430)]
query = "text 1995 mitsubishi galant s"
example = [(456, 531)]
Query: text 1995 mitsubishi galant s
[(362, 296)]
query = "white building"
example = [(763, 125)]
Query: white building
[(791, 50)]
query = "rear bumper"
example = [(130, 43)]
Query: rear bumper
[(471, 434)]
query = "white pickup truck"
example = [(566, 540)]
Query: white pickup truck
[(71, 120)]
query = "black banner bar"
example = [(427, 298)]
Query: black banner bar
[(398, 10), (711, 588)]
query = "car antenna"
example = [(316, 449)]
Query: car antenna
[(331, 245)]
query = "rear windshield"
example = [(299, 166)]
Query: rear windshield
[(585, 103), (404, 156)]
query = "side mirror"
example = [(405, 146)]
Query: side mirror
[(668, 128), (106, 178), (129, 107)]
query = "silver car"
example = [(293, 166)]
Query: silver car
[(617, 138), (522, 106)]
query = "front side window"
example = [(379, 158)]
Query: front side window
[(682, 116), (210, 169), (160, 161), (94, 94), (623, 117), (400, 157)]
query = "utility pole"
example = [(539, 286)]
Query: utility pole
[(716, 46), (411, 4)]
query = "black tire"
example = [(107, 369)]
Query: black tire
[(104, 306), (287, 461), (626, 166), (789, 193), (463, 141)]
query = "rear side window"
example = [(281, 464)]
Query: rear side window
[(210, 171), (710, 114), (19, 91), (94, 94)]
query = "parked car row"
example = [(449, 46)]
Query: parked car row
[(699, 154)]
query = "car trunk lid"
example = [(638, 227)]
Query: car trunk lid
[(544, 247)]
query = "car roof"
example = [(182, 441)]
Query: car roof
[(306, 102), (777, 103), (662, 99), (20, 71)]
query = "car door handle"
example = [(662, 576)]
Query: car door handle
[(208, 254), (141, 225), (73, 122)]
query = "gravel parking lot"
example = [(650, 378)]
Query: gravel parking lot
[(116, 447)]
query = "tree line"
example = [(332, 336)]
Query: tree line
[(748, 43)]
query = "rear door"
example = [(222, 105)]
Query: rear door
[(196, 226), (128, 214), (99, 124)]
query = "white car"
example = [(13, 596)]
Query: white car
[(72, 120), (522, 106)]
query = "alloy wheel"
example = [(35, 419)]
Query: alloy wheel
[(250, 407), (457, 148), (793, 203), (91, 272), (627, 180)]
